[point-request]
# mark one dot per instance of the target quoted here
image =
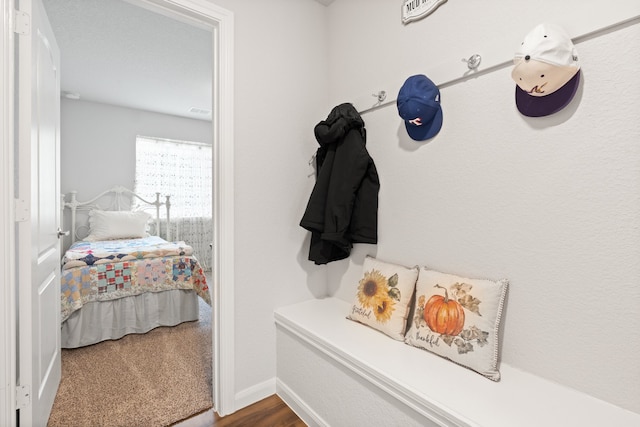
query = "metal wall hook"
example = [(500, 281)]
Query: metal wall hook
[(382, 95), (473, 62)]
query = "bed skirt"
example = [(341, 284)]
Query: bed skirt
[(110, 320)]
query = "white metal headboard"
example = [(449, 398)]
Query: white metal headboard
[(113, 200)]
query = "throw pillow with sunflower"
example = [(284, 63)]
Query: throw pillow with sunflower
[(383, 295)]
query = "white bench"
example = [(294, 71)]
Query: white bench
[(336, 372)]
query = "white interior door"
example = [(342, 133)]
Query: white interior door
[(38, 215)]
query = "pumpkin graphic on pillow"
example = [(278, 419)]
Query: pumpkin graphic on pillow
[(444, 315)]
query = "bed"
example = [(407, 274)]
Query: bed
[(119, 276)]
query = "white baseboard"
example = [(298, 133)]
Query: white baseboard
[(299, 406), (255, 393)]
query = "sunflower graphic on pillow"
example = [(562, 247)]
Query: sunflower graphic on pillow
[(379, 294)]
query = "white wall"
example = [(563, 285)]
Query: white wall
[(552, 204), (98, 143), (281, 90)]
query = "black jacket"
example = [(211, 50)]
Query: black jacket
[(343, 207)]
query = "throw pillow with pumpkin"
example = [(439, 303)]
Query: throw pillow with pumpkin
[(459, 319)]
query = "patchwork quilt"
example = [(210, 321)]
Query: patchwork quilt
[(108, 270)]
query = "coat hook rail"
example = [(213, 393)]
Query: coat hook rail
[(446, 78)]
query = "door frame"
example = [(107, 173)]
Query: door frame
[(7, 221), (221, 23)]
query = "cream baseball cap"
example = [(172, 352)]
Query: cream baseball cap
[(546, 71)]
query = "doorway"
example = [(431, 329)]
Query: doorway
[(221, 23)]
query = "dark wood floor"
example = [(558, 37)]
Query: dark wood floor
[(270, 412)]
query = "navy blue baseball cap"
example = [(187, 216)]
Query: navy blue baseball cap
[(419, 106)]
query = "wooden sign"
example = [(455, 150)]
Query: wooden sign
[(413, 10)]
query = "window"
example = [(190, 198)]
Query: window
[(180, 169)]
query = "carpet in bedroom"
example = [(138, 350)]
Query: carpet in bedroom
[(154, 379)]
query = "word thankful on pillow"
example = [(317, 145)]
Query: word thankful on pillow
[(383, 296)]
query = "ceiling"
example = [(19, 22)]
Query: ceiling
[(115, 52)]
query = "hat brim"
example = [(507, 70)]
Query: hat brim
[(539, 106), (426, 130)]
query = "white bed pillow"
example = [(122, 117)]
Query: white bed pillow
[(110, 225)]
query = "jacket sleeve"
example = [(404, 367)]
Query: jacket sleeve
[(349, 168), (314, 214), (364, 218)]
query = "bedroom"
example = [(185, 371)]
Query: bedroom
[(121, 81), (583, 241), (127, 88), (138, 56)]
